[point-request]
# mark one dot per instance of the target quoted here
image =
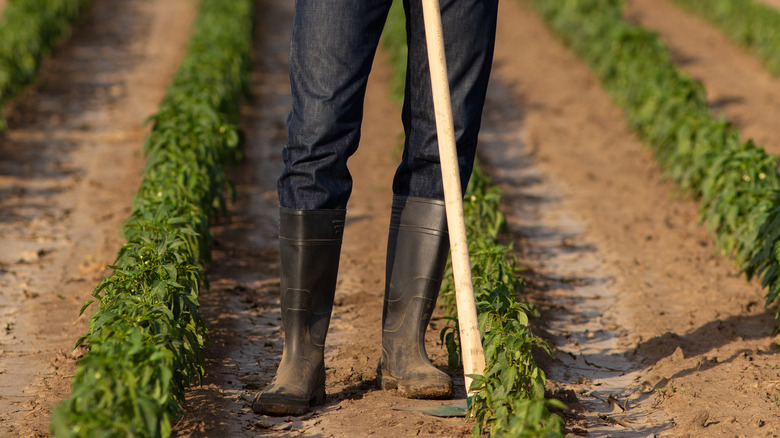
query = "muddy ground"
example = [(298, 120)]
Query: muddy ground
[(654, 332)]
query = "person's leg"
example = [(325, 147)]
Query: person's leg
[(418, 242), (331, 52), (469, 28), (332, 47)]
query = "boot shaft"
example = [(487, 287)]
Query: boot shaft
[(417, 250), (309, 246), (418, 245)]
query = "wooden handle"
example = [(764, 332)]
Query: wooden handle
[(473, 355)]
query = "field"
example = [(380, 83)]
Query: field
[(654, 331)]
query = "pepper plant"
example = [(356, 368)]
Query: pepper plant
[(736, 181), (29, 31), (145, 339)]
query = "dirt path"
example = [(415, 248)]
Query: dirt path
[(69, 166), (773, 3), (694, 334), (737, 85)]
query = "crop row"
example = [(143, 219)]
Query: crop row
[(510, 399), (510, 394), (735, 180), (755, 27), (145, 339), (29, 30)]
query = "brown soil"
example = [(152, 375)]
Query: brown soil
[(654, 333)]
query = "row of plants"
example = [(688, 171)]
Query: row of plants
[(509, 397), (29, 31), (735, 181), (751, 24), (145, 338)]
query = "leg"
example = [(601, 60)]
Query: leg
[(331, 52), (309, 243), (469, 37), (416, 256), (418, 241), (332, 47)]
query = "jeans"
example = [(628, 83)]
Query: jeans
[(332, 48)]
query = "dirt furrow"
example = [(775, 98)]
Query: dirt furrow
[(738, 87), (570, 278), (694, 333), (69, 166)]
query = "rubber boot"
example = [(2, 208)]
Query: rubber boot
[(309, 244), (417, 249)]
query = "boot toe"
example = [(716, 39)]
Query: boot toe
[(281, 404), (427, 388), (431, 383), (281, 400)]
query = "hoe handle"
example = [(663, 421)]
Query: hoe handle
[(473, 355)]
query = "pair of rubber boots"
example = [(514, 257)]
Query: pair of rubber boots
[(310, 244)]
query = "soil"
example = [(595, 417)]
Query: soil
[(653, 331)]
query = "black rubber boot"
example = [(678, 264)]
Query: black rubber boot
[(309, 244), (417, 249)]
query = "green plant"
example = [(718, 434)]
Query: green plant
[(509, 397), (145, 339), (736, 182), (394, 43), (29, 31)]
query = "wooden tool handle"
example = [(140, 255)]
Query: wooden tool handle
[(473, 355)]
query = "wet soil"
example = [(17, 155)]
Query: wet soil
[(653, 331)]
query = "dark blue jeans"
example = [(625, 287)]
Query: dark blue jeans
[(331, 51)]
